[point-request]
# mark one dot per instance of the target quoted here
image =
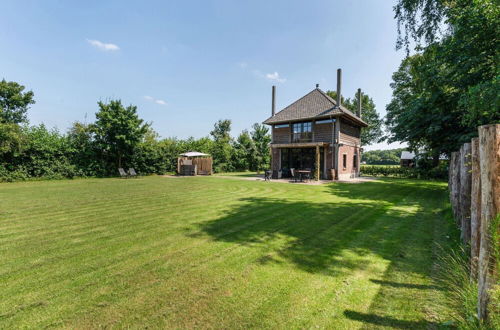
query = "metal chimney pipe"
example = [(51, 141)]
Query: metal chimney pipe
[(339, 87), (273, 104), (359, 102), (317, 85)]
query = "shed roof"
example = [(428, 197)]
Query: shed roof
[(407, 155), (194, 154), (314, 105)]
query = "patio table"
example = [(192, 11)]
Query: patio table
[(302, 172)]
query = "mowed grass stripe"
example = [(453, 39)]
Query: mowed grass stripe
[(214, 252)]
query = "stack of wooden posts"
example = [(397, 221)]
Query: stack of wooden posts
[(474, 185)]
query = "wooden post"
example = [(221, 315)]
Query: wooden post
[(465, 192), (318, 164), (455, 185), (475, 207), (489, 154)]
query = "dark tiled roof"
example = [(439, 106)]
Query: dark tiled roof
[(315, 104)]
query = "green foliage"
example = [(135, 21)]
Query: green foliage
[(451, 86), (436, 173), (118, 131), (462, 293), (222, 148), (14, 103), (118, 138), (373, 133), (382, 157)]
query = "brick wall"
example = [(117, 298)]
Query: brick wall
[(348, 171)]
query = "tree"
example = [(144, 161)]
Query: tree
[(245, 152), (373, 133), (118, 131), (382, 157), (14, 103), (261, 140), (11, 142), (222, 148), (83, 149)]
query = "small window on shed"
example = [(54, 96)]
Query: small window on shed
[(344, 160), (281, 126)]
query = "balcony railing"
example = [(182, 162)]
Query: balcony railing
[(302, 137)]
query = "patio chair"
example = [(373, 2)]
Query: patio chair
[(122, 172), (132, 173), (267, 175)]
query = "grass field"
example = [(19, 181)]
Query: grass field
[(220, 253)]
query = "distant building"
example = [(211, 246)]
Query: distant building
[(407, 159)]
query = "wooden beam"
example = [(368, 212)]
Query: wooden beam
[(299, 145), (475, 207), (318, 164), (489, 154)]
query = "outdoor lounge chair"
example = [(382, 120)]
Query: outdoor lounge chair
[(294, 174), (122, 172), (132, 173)]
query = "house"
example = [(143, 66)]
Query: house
[(316, 132)]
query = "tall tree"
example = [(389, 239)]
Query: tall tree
[(118, 131), (442, 93), (261, 139), (373, 133), (222, 148), (245, 152), (14, 102)]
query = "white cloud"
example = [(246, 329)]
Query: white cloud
[(275, 77), (157, 101), (103, 46)]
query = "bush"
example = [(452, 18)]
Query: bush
[(436, 173)]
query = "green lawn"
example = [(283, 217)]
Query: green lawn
[(220, 253)]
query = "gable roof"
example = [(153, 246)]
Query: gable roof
[(314, 105)]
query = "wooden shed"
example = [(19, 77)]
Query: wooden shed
[(194, 163)]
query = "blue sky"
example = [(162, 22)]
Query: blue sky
[(186, 64)]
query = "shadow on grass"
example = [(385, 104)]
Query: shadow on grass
[(386, 321), (407, 285), (316, 236), (385, 219)]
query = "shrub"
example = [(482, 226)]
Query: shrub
[(436, 173)]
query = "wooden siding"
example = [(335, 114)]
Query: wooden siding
[(322, 132), (281, 135), (349, 134)]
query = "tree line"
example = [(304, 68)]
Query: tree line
[(117, 138)]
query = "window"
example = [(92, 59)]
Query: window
[(281, 126), (355, 161), (344, 160), (325, 121), (302, 127), (302, 132)]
